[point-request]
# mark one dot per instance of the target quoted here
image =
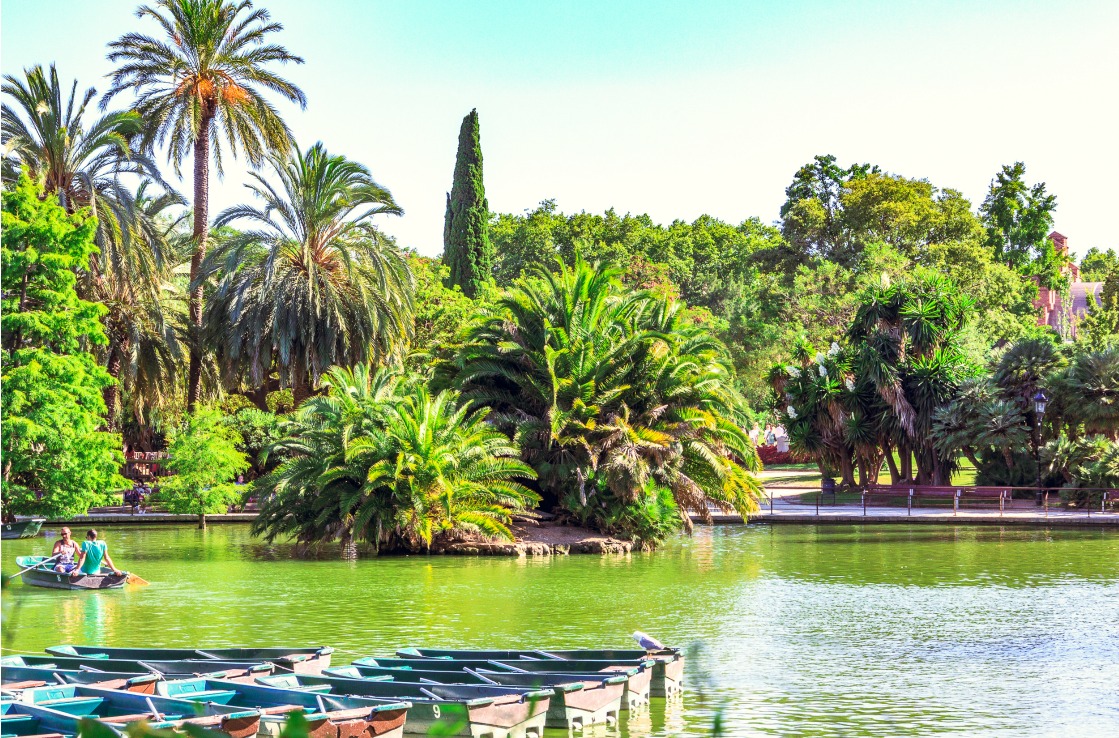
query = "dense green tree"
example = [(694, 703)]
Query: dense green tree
[(313, 283), (1097, 264), (908, 214), (439, 313), (204, 459), (811, 218), (467, 250), (56, 460), (380, 459), (1018, 218), (610, 394), (206, 78)]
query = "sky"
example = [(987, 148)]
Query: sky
[(671, 109)]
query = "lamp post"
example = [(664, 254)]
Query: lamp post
[(1040, 401)]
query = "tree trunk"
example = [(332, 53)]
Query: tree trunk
[(895, 474), (201, 231), (112, 392), (847, 470), (300, 388), (349, 546), (201, 521)]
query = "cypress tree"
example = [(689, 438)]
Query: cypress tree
[(467, 250)]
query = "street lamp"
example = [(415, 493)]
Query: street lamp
[(1040, 401)]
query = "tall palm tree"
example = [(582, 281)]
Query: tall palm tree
[(204, 79), (311, 283)]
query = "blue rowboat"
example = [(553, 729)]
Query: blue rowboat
[(328, 716), (635, 697), (25, 677), (116, 708)]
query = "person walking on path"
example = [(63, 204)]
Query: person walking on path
[(93, 554)]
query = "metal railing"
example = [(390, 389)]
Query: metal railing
[(1100, 499)]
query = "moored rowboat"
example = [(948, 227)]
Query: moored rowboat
[(636, 695), (23, 677), (457, 710), (578, 700), (300, 659), (182, 668), (328, 716), (44, 575), (21, 529), (668, 674)]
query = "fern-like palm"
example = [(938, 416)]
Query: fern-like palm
[(608, 391), (377, 458)]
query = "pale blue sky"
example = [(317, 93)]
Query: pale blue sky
[(675, 109)]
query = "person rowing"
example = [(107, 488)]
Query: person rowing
[(65, 552), (93, 554)]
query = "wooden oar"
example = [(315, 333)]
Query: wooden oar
[(36, 565), (133, 579)]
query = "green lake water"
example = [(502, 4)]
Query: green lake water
[(797, 630)]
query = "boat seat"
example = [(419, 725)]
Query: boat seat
[(74, 705), (221, 696), (16, 721), (283, 709), (138, 716)]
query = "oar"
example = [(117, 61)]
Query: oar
[(481, 676), (33, 566), (133, 579)]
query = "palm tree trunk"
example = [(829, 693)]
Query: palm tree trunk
[(201, 231), (895, 474), (349, 546), (112, 392), (300, 388)]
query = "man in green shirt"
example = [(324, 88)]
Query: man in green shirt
[(92, 555)]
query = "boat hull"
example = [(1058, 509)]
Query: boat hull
[(21, 529), (44, 575)]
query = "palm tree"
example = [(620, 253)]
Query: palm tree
[(206, 78), (311, 283), (379, 459), (81, 164), (144, 323)]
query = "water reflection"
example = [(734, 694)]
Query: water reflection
[(840, 630)]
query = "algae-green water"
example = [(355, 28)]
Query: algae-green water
[(796, 630)]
